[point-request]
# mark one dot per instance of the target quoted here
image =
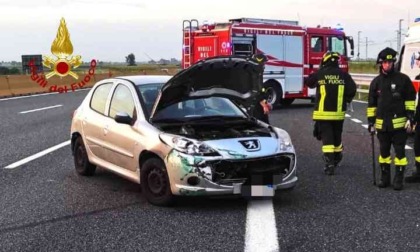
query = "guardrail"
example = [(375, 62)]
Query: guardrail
[(362, 81)]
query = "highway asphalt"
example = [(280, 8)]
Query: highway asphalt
[(46, 206)]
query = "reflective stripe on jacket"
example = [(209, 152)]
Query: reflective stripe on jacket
[(335, 89)]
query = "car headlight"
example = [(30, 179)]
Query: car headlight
[(188, 146), (286, 146), (285, 142)]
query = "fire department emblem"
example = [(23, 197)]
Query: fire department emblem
[(62, 48)]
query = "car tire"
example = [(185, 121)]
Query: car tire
[(155, 184), (81, 159)]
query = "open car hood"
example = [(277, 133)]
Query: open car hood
[(233, 77)]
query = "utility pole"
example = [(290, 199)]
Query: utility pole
[(358, 45), (366, 48), (399, 35), (367, 43)]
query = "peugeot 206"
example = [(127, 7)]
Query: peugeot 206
[(184, 135)]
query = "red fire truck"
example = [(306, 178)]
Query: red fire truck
[(293, 51)]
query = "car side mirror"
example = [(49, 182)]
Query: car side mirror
[(123, 117)]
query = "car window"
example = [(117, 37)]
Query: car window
[(212, 106), (99, 97), (122, 101), (149, 93), (316, 43)]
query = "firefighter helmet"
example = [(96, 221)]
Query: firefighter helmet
[(259, 58), (330, 58), (387, 54)]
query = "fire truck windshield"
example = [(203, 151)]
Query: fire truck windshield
[(336, 44)]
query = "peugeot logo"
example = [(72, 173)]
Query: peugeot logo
[(251, 145)]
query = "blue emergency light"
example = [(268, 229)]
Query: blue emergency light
[(417, 20)]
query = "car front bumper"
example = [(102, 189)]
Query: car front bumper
[(198, 175)]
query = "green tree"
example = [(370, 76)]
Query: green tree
[(14, 70), (130, 59)]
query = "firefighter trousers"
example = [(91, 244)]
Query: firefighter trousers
[(397, 139), (331, 140)]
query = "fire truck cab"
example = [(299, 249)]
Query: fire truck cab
[(409, 57), (293, 51)]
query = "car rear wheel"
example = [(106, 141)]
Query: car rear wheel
[(155, 183), (81, 160)]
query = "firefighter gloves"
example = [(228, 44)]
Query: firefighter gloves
[(317, 131), (371, 128)]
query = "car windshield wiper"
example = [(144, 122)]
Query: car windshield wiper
[(168, 120)]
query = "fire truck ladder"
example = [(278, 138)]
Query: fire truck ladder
[(186, 41)]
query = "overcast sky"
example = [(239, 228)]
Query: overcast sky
[(109, 30)]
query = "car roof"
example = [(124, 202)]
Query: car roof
[(145, 79)]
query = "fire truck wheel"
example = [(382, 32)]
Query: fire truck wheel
[(274, 92)]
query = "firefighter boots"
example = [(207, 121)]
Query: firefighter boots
[(338, 156), (399, 177), (329, 163), (385, 176), (415, 176)]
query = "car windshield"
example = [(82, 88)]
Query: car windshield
[(198, 109), (149, 93)]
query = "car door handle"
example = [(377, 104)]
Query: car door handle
[(106, 130)]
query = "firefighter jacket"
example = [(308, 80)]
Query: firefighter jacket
[(391, 101), (335, 89)]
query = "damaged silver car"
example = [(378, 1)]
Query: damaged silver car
[(184, 135)]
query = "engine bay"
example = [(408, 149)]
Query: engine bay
[(204, 132)]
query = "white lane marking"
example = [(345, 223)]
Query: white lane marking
[(261, 231), (37, 155), (356, 120), (365, 126), (360, 101), (347, 115), (29, 96), (50, 107)]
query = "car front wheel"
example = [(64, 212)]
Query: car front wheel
[(155, 183), (81, 160)]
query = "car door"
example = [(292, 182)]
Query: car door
[(94, 120), (121, 139)]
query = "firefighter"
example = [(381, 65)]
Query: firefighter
[(260, 107), (390, 112), (415, 176), (334, 89)]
